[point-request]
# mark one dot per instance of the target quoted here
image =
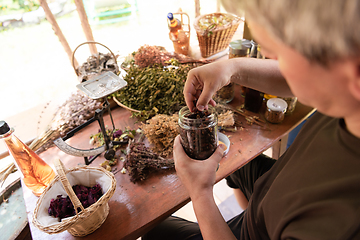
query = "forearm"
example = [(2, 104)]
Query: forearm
[(260, 74), (211, 222)]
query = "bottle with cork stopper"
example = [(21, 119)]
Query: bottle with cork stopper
[(36, 173)]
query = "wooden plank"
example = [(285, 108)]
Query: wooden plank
[(218, 5), (50, 17), (280, 147), (85, 25), (197, 8)]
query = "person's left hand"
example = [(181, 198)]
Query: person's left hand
[(198, 176)]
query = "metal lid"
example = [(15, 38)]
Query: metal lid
[(240, 47), (4, 127), (277, 104)]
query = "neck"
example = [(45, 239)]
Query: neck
[(353, 124)]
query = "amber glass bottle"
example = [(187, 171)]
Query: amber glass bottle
[(37, 174), (174, 26)]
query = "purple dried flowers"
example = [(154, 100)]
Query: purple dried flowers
[(117, 134), (62, 207)]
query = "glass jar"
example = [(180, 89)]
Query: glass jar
[(255, 50), (253, 100), (198, 132), (276, 108), (225, 94), (237, 48), (291, 102)]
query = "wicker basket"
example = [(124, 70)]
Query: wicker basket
[(214, 40), (83, 78), (122, 105), (88, 219)]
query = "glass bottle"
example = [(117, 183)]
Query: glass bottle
[(174, 26), (37, 174), (253, 98), (198, 132)]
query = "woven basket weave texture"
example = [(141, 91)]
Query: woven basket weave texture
[(215, 40), (87, 220)]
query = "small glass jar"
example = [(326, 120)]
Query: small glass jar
[(291, 102), (225, 94), (253, 100), (198, 132), (276, 108), (237, 48), (255, 50)]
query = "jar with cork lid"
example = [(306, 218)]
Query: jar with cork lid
[(276, 108)]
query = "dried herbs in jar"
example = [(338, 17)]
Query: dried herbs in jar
[(276, 108), (198, 132)]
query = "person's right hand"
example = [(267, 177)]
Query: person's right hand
[(203, 82)]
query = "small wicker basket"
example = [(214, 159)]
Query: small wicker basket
[(88, 219), (215, 39), (88, 75)]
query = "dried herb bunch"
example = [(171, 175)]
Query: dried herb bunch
[(147, 56), (154, 90), (141, 162), (161, 131)]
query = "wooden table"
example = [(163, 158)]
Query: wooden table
[(136, 208)]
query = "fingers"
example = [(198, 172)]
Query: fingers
[(190, 98), (219, 153), (178, 150), (205, 98)]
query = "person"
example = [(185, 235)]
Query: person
[(313, 190)]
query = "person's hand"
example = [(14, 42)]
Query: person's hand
[(198, 176), (203, 82)]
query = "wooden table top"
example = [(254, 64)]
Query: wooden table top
[(136, 208)]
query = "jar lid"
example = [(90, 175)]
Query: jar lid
[(240, 47), (277, 104), (4, 127)]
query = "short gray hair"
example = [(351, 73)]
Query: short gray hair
[(321, 30)]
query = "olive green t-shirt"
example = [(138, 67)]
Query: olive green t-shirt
[(313, 191)]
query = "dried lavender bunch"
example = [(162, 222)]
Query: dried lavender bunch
[(141, 162)]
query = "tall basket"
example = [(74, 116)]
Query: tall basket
[(87, 75), (85, 221), (215, 38)]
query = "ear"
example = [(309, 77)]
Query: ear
[(354, 83)]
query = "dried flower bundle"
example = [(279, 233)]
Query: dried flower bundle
[(161, 131), (141, 162)]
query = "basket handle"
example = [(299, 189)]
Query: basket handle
[(89, 42), (60, 169)]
